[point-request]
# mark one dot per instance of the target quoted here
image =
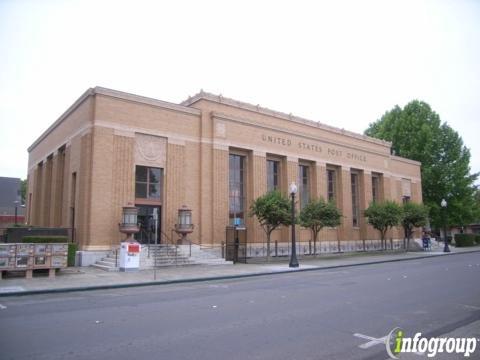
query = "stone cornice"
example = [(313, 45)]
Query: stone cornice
[(405, 160), (202, 95), (72, 108), (119, 95), (227, 117), (146, 100)]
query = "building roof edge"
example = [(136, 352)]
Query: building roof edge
[(202, 95), (117, 94), (62, 117)]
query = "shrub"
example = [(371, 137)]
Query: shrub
[(45, 239), (463, 240), (72, 250), (477, 239), (72, 247)]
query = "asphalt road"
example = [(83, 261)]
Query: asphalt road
[(305, 315)]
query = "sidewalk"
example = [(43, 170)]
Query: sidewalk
[(88, 278)]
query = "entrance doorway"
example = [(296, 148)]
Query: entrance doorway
[(149, 219)]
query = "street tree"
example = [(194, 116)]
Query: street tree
[(413, 216), (417, 133), (23, 190), (383, 216), (318, 214), (272, 210)]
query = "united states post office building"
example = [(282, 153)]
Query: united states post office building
[(210, 153)]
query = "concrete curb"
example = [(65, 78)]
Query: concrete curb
[(216, 278)]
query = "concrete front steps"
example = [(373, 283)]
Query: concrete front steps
[(162, 255), (167, 255), (204, 255), (107, 263)]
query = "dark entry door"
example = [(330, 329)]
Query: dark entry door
[(236, 244), (149, 219)]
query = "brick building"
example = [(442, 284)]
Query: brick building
[(10, 202), (211, 153)]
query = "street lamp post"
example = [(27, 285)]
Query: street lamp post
[(293, 258), (16, 202), (444, 207)]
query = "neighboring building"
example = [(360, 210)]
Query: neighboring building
[(10, 198), (213, 154), (473, 228)]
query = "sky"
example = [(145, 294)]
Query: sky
[(343, 63)]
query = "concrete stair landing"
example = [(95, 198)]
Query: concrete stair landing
[(167, 255)]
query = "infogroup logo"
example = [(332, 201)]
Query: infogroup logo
[(397, 343)]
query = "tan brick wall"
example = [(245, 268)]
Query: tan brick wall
[(57, 189), (65, 215), (122, 183), (100, 147), (365, 200), (345, 199), (206, 189), (220, 194), (257, 184), (174, 185), (192, 186), (320, 181)]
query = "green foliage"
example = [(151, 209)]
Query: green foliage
[(477, 239), (272, 210), (383, 216), (416, 133), (72, 251), (463, 240), (414, 215), (318, 214), (23, 190), (45, 239)]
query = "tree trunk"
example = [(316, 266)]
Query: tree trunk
[(315, 234), (409, 233), (268, 246)]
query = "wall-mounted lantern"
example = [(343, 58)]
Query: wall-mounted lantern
[(129, 224), (184, 225)]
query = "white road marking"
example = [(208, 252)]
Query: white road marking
[(373, 341), (472, 307), (2, 307)]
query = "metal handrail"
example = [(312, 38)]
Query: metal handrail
[(168, 244)]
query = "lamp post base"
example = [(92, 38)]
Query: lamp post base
[(446, 248)]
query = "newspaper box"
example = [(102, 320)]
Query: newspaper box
[(42, 254), (129, 256), (59, 255), (23, 256), (7, 256)]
